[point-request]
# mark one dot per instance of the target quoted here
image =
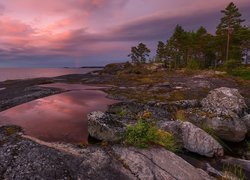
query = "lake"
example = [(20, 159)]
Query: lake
[(28, 73), (61, 117)]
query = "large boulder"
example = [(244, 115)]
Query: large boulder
[(221, 112), (224, 101), (194, 139), (103, 127), (225, 127)]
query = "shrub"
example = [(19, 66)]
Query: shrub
[(233, 172), (243, 73), (181, 115), (231, 64), (193, 64), (11, 130), (144, 133)]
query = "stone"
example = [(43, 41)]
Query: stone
[(157, 163), (221, 112), (103, 127), (246, 120), (194, 139), (185, 104), (225, 127), (224, 101), (26, 158)]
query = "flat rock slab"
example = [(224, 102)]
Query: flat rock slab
[(22, 158)]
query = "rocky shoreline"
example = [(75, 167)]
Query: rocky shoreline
[(204, 112)]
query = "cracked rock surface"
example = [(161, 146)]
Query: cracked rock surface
[(23, 158)]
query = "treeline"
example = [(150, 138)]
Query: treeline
[(199, 49)]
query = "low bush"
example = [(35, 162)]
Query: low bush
[(231, 64), (144, 133), (181, 115), (193, 64), (233, 172), (242, 72)]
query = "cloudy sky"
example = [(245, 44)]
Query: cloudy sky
[(58, 33)]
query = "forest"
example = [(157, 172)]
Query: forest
[(228, 47)]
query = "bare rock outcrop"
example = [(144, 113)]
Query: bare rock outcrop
[(23, 158), (194, 139), (221, 111)]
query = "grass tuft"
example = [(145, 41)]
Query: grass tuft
[(144, 133), (233, 172), (181, 115), (10, 130)]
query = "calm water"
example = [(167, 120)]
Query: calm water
[(61, 117), (27, 73)]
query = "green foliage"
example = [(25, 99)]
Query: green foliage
[(233, 172), (181, 115), (229, 33), (231, 19), (230, 65), (139, 54), (199, 49), (193, 64), (10, 130), (144, 133), (177, 96), (160, 52), (122, 113), (241, 72)]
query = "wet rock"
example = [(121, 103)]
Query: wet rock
[(194, 139), (224, 101), (103, 127), (157, 164)]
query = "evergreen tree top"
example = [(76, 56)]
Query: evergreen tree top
[(231, 19)]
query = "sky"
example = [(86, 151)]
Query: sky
[(74, 33)]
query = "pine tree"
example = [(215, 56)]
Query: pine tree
[(160, 52), (139, 54), (177, 46), (227, 31)]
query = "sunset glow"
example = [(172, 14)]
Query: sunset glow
[(95, 32)]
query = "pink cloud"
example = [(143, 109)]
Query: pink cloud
[(11, 27), (89, 27)]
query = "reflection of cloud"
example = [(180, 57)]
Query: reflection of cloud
[(57, 117), (90, 28)]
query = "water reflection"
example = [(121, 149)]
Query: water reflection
[(60, 117)]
